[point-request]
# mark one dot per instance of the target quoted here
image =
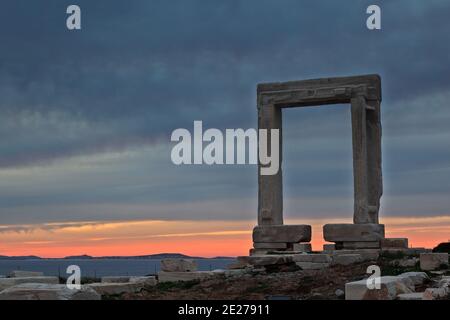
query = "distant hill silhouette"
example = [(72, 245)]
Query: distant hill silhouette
[(87, 257), (19, 258)]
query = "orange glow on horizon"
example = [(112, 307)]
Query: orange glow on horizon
[(195, 238)]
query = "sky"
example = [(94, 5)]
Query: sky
[(86, 119)]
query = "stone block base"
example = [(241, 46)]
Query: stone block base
[(279, 247), (282, 234), (368, 232), (270, 245)]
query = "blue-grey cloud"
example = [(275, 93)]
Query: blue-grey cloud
[(138, 70)]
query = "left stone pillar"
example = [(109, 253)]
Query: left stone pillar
[(270, 187), (271, 234)]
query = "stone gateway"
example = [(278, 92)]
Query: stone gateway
[(363, 93)]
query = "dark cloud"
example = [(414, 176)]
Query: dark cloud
[(139, 69)]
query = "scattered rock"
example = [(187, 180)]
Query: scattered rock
[(119, 279), (435, 293), (417, 278), (22, 274), (410, 296), (145, 281), (390, 287), (104, 288), (433, 261), (43, 291), (11, 282), (178, 265), (339, 293)]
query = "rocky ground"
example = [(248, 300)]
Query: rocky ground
[(406, 274), (327, 283)]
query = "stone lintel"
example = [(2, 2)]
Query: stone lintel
[(372, 81)]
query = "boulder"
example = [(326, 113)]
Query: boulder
[(282, 233), (11, 282), (22, 274), (347, 259), (353, 232), (178, 265), (390, 287), (417, 278), (433, 261), (43, 291)]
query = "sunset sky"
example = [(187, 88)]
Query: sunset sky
[(86, 119)]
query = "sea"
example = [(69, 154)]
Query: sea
[(96, 268)]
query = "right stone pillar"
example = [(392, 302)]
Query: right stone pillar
[(365, 232)]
